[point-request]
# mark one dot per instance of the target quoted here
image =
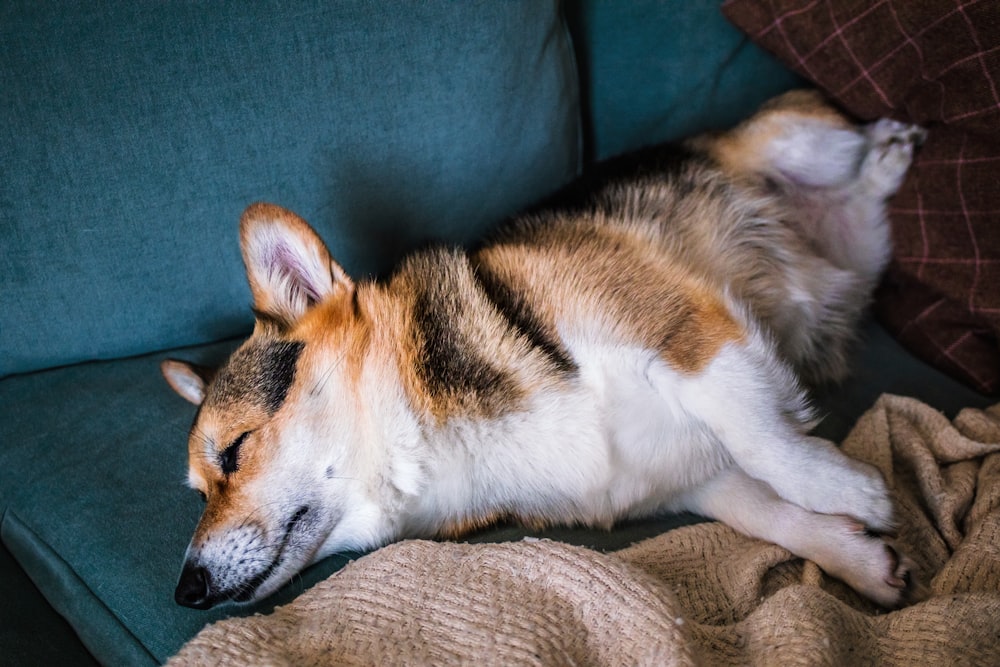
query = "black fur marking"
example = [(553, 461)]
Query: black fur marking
[(449, 365), (261, 372), (522, 318), (278, 372)]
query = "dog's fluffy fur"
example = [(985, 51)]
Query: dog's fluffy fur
[(635, 345)]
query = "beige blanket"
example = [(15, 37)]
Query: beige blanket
[(701, 594)]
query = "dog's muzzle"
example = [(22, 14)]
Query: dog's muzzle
[(195, 588)]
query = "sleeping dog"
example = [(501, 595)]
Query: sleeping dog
[(638, 344)]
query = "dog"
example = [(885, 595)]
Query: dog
[(638, 344)]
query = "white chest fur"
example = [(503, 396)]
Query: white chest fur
[(623, 440)]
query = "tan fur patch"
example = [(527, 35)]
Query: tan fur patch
[(338, 327), (226, 502), (589, 273), (742, 150), (692, 333)]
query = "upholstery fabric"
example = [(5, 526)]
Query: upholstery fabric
[(935, 63), (134, 134), (653, 72)]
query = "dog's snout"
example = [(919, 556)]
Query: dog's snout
[(194, 587)]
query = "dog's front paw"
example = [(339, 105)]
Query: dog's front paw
[(869, 500), (846, 486), (890, 154), (877, 570)]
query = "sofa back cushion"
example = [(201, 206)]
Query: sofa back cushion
[(655, 71), (135, 133)]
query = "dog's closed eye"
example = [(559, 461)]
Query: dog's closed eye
[(229, 459)]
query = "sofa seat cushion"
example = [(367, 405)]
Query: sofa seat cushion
[(134, 134), (92, 473), (91, 476)]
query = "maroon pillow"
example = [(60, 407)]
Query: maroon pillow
[(936, 63)]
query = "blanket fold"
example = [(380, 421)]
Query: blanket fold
[(701, 594)]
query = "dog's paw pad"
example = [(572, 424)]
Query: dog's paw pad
[(891, 152), (899, 573), (896, 584), (888, 132)]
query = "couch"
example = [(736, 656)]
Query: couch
[(135, 133)]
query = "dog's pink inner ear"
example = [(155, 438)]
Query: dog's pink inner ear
[(287, 269), (288, 266), (290, 279)]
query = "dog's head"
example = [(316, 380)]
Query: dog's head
[(277, 445)]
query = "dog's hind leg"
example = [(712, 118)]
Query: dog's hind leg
[(834, 177), (794, 140), (848, 224), (838, 544), (845, 222), (829, 180)]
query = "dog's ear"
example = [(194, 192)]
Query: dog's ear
[(288, 266), (187, 379)]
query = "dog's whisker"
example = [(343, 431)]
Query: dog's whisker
[(321, 382)]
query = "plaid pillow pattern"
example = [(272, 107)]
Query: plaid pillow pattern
[(936, 63)]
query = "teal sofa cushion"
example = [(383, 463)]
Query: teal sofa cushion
[(655, 71), (134, 134)]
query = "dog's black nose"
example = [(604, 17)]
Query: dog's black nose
[(193, 589)]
